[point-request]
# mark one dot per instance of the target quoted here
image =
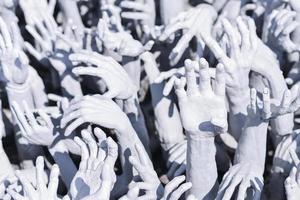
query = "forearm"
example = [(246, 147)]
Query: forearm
[(70, 11), (136, 117), (281, 125), (252, 145), (201, 166), (238, 102), (166, 114), (127, 139), (66, 166), (167, 118)]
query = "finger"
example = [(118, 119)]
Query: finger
[(228, 177), (133, 5), (27, 186), (53, 182), (172, 185), (167, 74), (36, 36), (179, 89), (142, 155), (5, 34), (92, 71), (220, 80), (192, 88), (216, 49), (85, 58), (253, 97), (33, 51), (204, 82), (232, 35), (136, 164), (15, 195), (21, 120), (134, 15), (112, 153), (70, 128), (41, 185), (170, 30), (179, 49), (169, 85), (182, 189), (266, 104), (29, 114), (2, 43), (252, 32), (84, 150), (102, 144), (87, 137), (294, 157), (244, 31), (243, 189), (45, 117), (229, 191), (286, 101), (111, 93), (290, 28)]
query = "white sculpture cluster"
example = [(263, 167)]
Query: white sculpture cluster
[(149, 99)]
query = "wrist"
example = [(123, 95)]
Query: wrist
[(238, 99)]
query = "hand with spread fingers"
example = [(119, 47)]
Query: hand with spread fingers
[(194, 22), (289, 103), (149, 181), (38, 130), (14, 62), (202, 109), (203, 115), (243, 176), (243, 43), (95, 177), (118, 82), (96, 109), (141, 11), (116, 40), (42, 190), (282, 25)]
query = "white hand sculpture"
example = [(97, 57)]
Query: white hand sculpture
[(150, 183), (202, 109), (119, 40), (14, 63), (173, 191), (33, 9), (288, 144), (242, 52), (56, 49), (42, 189), (95, 177), (273, 108), (143, 11), (117, 80), (292, 182), (197, 20), (244, 176), (282, 24), (38, 130), (94, 109)]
